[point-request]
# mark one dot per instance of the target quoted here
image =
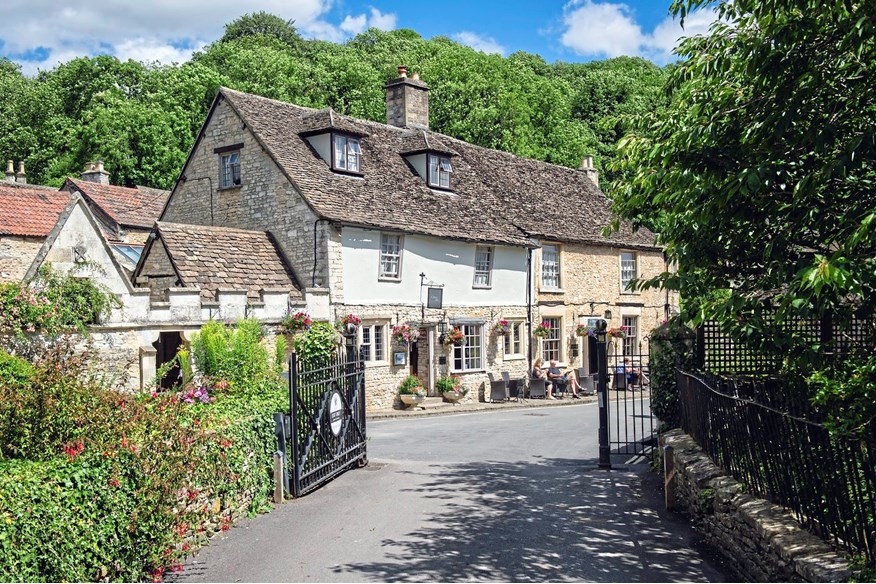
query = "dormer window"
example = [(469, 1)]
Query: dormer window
[(346, 153), (439, 171)]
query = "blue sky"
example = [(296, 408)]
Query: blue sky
[(43, 33)]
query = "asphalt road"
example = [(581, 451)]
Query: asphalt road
[(489, 496)]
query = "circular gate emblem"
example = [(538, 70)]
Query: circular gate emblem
[(336, 413)]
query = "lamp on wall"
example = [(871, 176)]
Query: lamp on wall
[(607, 314), (595, 303), (442, 331)]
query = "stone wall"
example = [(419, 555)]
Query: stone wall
[(16, 256), (761, 540), (265, 200), (591, 273)]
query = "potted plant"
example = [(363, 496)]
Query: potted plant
[(295, 323), (582, 330), (404, 334), (450, 387), (454, 336), (350, 323), (616, 333), (411, 391), (502, 328), (543, 329)]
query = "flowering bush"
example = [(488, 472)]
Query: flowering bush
[(543, 329), (450, 383), (404, 334), (200, 391), (502, 328), (584, 331), (454, 336), (351, 319), (300, 321), (411, 386), (617, 333)]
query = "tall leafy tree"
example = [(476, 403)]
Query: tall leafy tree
[(759, 175)]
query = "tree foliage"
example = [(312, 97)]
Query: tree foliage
[(759, 174), (141, 119)]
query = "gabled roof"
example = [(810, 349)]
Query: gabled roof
[(130, 207), (30, 211), (497, 197), (219, 257)]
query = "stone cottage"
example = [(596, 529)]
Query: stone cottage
[(402, 225)]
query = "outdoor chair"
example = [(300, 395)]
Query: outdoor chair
[(619, 381), (588, 384), (537, 388), (498, 389), (514, 386)]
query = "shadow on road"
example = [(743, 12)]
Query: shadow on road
[(552, 519)]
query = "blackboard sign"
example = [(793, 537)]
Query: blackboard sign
[(435, 298)]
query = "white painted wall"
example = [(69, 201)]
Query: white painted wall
[(443, 261), (322, 144)]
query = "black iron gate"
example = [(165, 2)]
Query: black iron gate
[(631, 429), (327, 405)]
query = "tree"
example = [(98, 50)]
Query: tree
[(262, 23), (760, 174)]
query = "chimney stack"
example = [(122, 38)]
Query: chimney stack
[(95, 173), (10, 171), (588, 168), (21, 176), (407, 101)]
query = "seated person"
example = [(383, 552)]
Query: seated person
[(539, 373), (629, 371), (563, 380)]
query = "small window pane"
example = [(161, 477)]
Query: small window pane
[(483, 266), (631, 335), (439, 171), (513, 339), (628, 270), (229, 175), (469, 356), (378, 342), (390, 256), (550, 266), (366, 343), (550, 345), (341, 152)]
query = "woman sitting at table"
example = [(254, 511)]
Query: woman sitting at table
[(539, 373)]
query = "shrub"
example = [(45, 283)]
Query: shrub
[(671, 347), (411, 386), (315, 347), (234, 354)]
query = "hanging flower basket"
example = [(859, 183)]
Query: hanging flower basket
[(454, 336), (404, 334), (502, 328), (543, 329), (584, 331), (295, 323), (350, 323), (616, 333)]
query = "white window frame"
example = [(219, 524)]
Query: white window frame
[(629, 270), (471, 355), (631, 335), (556, 336), (385, 243), (557, 264), (439, 171), (228, 162), (368, 338), (513, 341), (346, 153), (483, 269)]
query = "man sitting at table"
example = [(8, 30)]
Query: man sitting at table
[(561, 380)]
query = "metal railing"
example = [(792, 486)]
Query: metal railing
[(769, 442)]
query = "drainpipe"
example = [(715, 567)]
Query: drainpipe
[(529, 307)]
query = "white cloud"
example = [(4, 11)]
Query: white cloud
[(154, 30), (609, 29), (481, 43)]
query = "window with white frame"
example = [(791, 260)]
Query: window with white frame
[(469, 357), (628, 270), (631, 335), (483, 266), (347, 153), (390, 256), (229, 169), (439, 171), (551, 345), (514, 340), (372, 341), (550, 266)]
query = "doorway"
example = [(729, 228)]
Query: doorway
[(166, 347)]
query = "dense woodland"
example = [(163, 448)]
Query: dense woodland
[(141, 118)]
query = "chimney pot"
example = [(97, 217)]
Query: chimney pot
[(21, 177), (590, 170), (10, 171), (415, 76), (402, 71), (94, 172)]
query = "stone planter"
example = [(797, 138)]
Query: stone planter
[(453, 396), (412, 400)]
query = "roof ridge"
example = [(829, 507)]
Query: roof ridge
[(173, 226)]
